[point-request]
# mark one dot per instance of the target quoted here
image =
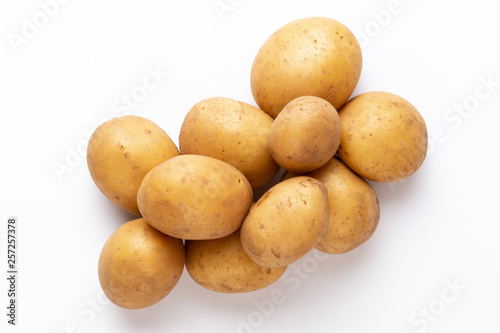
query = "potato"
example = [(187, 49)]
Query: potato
[(286, 222), (139, 265), (222, 265), (231, 131), (384, 137), (305, 135), (121, 151), (313, 56), (353, 207), (195, 197)]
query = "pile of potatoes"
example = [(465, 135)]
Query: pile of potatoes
[(196, 204)]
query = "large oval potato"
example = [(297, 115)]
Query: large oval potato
[(195, 197), (313, 56), (353, 206), (222, 265), (305, 135), (231, 131), (139, 265), (286, 222), (121, 151), (384, 137)]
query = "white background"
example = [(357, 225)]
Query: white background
[(433, 263)]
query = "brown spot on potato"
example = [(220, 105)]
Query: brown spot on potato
[(277, 255)]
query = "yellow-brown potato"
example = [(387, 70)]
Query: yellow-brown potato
[(353, 206), (286, 223), (313, 56), (384, 137), (305, 135), (139, 265), (231, 131), (195, 197), (222, 265), (121, 151)]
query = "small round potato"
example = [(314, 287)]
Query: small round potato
[(231, 131), (286, 222), (353, 206), (384, 137), (121, 151), (195, 197), (139, 265), (312, 56), (305, 135), (222, 265)]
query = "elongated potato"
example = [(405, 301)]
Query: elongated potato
[(139, 265), (312, 56), (231, 131), (222, 265), (121, 151), (195, 197), (353, 207), (384, 137), (286, 222)]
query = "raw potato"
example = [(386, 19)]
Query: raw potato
[(139, 265), (195, 197), (305, 135), (314, 56), (353, 205), (286, 223), (222, 265), (384, 137), (121, 152), (231, 131)]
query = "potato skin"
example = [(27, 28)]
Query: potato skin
[(139, 266), (231, 131), (222, 265), (305, 135), (286, 222), (353, 205), (195, 197), (312, 56), (121, 151), (384, 137)]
